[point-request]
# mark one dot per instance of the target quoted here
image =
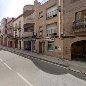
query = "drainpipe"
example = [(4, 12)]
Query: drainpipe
[(59, 18)]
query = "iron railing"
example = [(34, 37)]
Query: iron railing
[(78, 24)]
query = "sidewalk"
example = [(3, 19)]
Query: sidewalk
[(76, 66)]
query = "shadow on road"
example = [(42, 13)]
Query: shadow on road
[(52, 69), (55, 70)]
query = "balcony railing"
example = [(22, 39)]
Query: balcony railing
[(10, 35), (79, 24), (17, 37), (17, 27)]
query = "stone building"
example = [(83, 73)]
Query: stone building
[(56, 28), (29, 24), (60, 28), (74, 29), (49, 27)]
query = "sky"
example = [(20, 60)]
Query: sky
[(13, 8)]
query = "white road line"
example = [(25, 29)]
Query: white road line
[(24, 79), (16, 73), (8, 66), (1, 60)]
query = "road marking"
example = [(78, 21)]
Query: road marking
[(1, 60), (24, 79), (8, 66), (16, 73)]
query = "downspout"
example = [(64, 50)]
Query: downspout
[(59, 18)]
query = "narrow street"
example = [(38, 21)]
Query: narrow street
[(19, 71)]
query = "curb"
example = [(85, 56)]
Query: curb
[(44, 60)]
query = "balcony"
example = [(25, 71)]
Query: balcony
[(79, 25), (17, 27), (9, 26), (17, 37), (29, 20), (10, 35), (29, 16)]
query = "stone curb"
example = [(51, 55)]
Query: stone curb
[(48, 61)]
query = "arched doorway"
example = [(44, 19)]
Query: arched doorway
[(78, 50)]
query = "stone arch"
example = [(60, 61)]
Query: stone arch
[(67, 46), (78, 49)]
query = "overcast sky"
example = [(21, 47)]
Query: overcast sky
[(13, 8)]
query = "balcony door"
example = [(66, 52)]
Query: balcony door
[(78, 16)]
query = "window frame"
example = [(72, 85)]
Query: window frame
[(52, 44)]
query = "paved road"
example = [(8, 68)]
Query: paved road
[(18, 71)]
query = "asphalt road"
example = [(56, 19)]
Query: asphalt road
[(16, 70)]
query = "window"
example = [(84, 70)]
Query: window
[(19, 33), (52, 12), (16, 26), (41, 14), (51, 29), (40, 31), (19, 24), (50, 46), (15, 33), (78, 15), (29, 29)]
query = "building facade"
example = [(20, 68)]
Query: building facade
[(4, 32), (18, 31), (60, 28), (1, 41), (74, 29), (29, 24), (49, 28), (10, 34), (56, 28)]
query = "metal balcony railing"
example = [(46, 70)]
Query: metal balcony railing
[(78, 24)]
